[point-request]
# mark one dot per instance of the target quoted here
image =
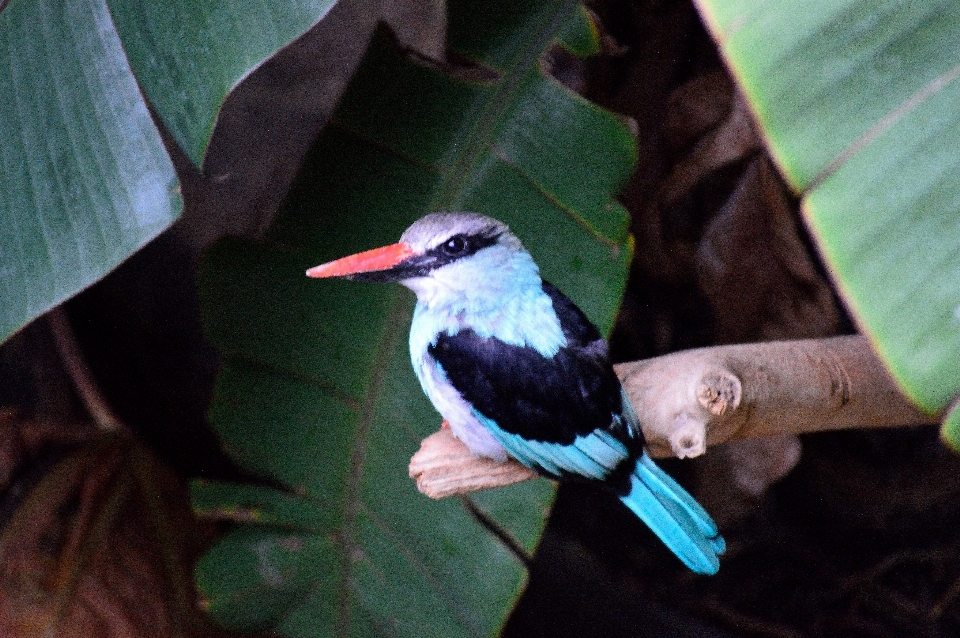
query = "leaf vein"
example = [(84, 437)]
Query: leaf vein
[(885, 123), (389, 340)]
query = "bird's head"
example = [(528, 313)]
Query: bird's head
[(441, 254)]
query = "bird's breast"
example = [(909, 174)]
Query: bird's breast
[(456, 410)]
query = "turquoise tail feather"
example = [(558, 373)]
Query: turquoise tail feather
[(680, 522)]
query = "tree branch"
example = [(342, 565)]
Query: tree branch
[(83, 378), (691, 399)]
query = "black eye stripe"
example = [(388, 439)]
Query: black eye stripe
[(460, 246)]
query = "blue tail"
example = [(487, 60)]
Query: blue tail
[(680, 522)]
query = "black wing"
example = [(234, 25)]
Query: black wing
[(552, 400)]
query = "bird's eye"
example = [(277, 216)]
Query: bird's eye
[(455, 245)]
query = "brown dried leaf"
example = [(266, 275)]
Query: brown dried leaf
[(722, 220), (700, 105), (707, 129), (11, 447), (759, 463), (26, 443), (98, 548), (732, 141), (755, 271)]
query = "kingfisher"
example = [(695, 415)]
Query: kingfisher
[(516, 369)]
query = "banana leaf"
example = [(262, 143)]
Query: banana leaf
[(84, 178)]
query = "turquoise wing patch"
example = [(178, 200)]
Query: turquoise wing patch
[(592, 456)]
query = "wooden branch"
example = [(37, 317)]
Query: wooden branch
[(689, 400)]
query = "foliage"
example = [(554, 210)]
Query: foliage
[(317, 392), (85, 179)]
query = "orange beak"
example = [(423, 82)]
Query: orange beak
[(368, 261)]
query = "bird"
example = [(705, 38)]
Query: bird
[(516, 369)]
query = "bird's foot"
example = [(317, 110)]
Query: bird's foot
[(445, 425)]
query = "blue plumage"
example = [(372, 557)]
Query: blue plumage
[(517, 369)]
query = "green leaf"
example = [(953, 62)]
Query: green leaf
[(84, 179), (259, 572), (244, 503), (189, 54), (858, 101), (580, 36), (951, 428), (317, 391)]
